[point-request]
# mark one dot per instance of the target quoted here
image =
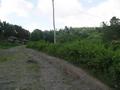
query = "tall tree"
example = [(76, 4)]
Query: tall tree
[(37, 35), (7, 30), (112, 32), (115, 21)]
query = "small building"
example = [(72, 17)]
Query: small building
[(12, 39)]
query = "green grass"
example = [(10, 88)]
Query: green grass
[(6, 45), (3, 59), (33, 67), (7, 58)]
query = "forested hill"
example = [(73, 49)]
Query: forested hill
[(8, 30)]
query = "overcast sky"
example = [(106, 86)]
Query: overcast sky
[(32, 14)]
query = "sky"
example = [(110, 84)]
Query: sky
[(37, 14)]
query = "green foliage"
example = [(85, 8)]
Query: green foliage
[(96, 49), (114, 21), (48, 36), (66, 34), (7, 30), (112, 32), (99, 59), (36, 35), (6, 45), (70, 34)]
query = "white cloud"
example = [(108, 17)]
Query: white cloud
[(90, 1), (18, 7), (34, 25), (67, 7), (107, 9), (0, 3), (94, 16), (68, 12), (62, 7), (71, 12)]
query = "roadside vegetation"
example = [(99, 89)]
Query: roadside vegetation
[(7, 58), (12, 35), (7, 30), (95, 49), (6, 45)]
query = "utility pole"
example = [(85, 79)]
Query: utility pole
[(54, 21)]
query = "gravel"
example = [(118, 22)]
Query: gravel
[(28, 69)]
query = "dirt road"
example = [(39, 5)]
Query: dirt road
[(27, 69)]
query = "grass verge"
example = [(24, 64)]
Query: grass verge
[(6, 45)]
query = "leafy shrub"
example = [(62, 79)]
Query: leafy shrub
[(94, 56)]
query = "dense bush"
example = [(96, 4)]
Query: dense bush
[(96, 57)]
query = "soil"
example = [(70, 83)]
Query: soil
[(27, 69)]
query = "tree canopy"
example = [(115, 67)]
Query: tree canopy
[(112, 31), (7, 30)]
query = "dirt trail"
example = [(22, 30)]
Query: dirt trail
[(27, 69)]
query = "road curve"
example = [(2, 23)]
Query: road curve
[(27, 69)]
